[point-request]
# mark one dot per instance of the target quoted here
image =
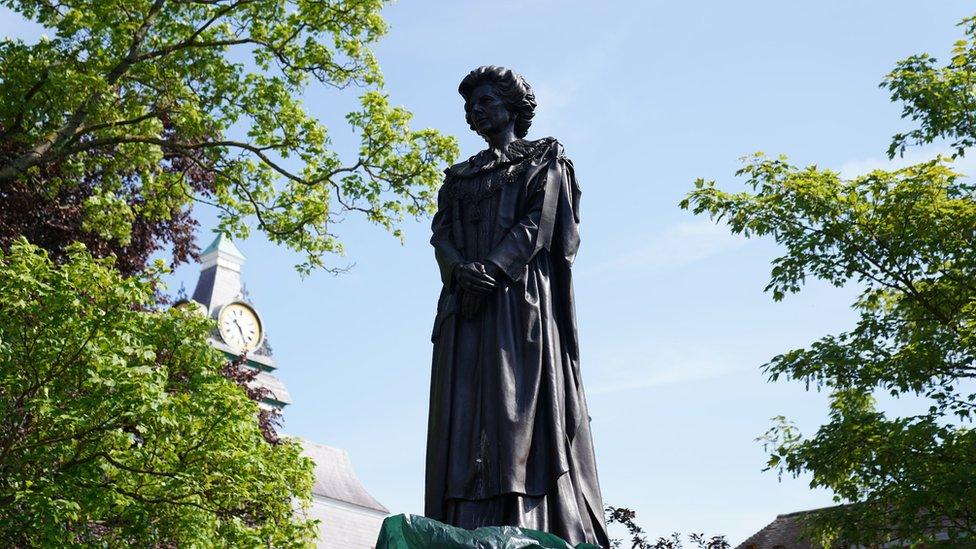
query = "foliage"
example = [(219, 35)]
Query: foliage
[(638, 538), (53, 219), (142, 108), (906, 238), (269, 418), (118, 427), (940, 99)]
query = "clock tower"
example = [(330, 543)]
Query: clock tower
[(239, 328), (349, 516)]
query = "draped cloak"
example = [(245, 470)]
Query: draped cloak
[(508, 438)]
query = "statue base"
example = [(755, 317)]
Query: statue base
[(414, 532)]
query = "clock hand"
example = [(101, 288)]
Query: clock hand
[(239, 330)]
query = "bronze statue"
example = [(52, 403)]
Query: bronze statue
[(508, 440)]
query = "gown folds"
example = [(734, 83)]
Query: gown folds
[(508, 438)]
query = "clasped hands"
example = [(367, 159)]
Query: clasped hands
[(476, 279)]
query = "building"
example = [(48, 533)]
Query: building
[(786, 532), (220, 293), (350, 518)]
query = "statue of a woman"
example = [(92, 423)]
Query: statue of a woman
[(508, 440)]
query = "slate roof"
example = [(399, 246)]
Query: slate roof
[(786, 530), (782, 533), (219, 282), (335, 478), (279, 394)]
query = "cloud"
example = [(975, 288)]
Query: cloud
[(642, 368), (554, 100), (676, 246), (854, 168), (562, 86)]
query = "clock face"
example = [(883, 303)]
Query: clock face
[(240, 326)]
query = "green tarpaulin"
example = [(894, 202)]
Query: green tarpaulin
[(413, 532)]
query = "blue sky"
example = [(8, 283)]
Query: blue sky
[(646, 97)]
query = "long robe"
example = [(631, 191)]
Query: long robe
[(509, 433)]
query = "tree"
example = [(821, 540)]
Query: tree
[(638, 538), (55, 218), (118, 427), (906, 238), (132, 112)]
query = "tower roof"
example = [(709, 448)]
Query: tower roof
[(222, 246), (220, 276)]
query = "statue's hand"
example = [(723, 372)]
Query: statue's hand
[(474, 278)]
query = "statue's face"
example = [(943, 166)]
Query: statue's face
[(488, 110)]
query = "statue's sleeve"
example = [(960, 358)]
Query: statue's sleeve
[(442, 239), (551, 218)]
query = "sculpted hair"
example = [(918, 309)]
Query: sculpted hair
[(513, 89)]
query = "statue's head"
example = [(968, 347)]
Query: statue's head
[(495, 97)]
